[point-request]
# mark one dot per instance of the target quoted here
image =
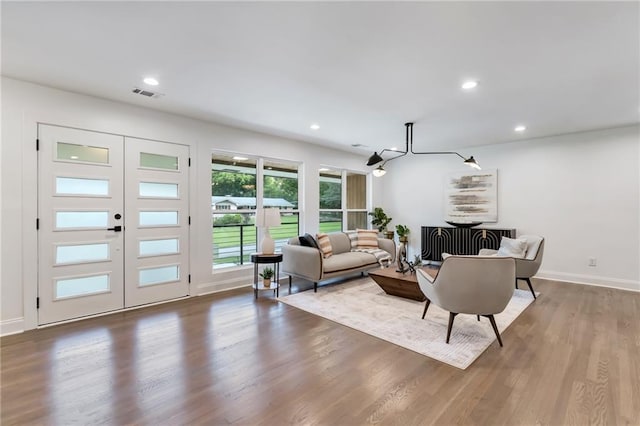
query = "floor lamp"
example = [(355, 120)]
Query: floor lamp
[(264, 219)]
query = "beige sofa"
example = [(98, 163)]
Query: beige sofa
[(307, 262)]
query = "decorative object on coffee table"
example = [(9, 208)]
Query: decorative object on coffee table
[(401, 258)]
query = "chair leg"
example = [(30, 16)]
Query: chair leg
[(530, 287), (495, 328), (315, 287), (516, 283), (478, 316), (451, 317), (426, 306), (289, 284)]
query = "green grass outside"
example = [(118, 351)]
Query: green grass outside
[(226, 237)]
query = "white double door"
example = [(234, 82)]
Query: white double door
[(113, 226)]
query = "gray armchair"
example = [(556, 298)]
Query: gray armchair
[(529, 265), (476, 285)]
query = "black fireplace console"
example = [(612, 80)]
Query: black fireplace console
[(441, 239)]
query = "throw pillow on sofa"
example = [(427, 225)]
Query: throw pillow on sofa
[(367, 238), (325, 245), (307, 240)]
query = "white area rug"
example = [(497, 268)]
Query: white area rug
[(364, 306)]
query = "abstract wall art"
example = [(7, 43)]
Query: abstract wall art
[(471, 197)]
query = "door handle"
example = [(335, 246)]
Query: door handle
[(115, 228)]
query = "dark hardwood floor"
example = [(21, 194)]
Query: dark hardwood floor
[(573, 357)]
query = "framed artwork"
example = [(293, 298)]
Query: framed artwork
[(471, 197)]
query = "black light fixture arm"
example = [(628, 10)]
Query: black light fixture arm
[(409, 132), (377, 158)]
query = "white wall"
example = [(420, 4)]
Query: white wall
[(25, 104), (580, 191)]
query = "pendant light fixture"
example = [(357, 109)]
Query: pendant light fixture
[(377, 158)]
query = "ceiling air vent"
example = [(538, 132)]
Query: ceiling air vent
[(146, 93), (359, 145)]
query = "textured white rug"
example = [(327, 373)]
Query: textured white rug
[(364, 306)]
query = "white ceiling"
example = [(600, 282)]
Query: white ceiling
[(360, 70)]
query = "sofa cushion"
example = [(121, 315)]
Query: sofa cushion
[(325, 245), (367, 238), (307, 240), (340, 242), (346, 261)]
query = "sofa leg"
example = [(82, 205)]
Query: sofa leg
[(289, 284), (315, 287)]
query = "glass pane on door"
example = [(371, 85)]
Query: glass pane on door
[(158, 247), (158, 190), (163, 274), (157, 161), (81, 219), (80, 186), (82, 286), (158, 218), (81, 253), (82, 153)]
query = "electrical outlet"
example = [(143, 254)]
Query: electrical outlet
[(592, 261)]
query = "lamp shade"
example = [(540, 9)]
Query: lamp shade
[(268, 217), (379, 171), (471, 162), (374, 159)]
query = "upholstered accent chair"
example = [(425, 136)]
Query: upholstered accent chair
[(527, 266), (477, 285)]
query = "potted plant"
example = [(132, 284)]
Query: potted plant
[(267, 274), (381, 220), (403, 232)]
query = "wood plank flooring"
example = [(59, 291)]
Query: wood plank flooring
[(573, 357)]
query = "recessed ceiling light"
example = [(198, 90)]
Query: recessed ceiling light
[(323, 169), (151, 81), (314, 126), (240, 158), (468, 85), (520, 128), (395, 148)]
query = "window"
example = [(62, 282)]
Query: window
[(236, 193), (280, 189), (356, 201), (330, 200), (334, 215)]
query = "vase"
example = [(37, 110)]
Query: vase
[(266, 282)]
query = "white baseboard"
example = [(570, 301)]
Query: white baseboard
[(230, 284), (594, 280), (11, 326)]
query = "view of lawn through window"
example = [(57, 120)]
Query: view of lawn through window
[(234, 198), (332, 210)]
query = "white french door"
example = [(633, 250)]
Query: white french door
[(113, 222), (157, 221)]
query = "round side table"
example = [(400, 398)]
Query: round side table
[(275, 259)]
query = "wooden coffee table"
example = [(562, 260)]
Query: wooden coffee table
[(399, 284)]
